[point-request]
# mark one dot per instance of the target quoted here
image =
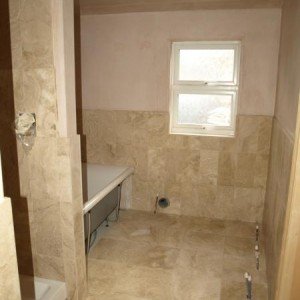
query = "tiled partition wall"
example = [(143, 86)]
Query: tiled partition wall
[(202, 176), (50, 174), (276, 198)]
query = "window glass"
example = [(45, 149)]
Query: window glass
[(211, 65), (201, 109)]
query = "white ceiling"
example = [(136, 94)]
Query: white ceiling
[(121, 6)]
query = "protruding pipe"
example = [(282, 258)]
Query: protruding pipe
[(257, 256), (257, 233), (248, 279)]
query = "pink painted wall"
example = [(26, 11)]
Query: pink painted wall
[(289, 67), (125, 57)]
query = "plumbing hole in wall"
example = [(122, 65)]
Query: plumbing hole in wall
[(161, 203)]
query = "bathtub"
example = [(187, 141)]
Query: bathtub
[(35, 288), (102, 193)]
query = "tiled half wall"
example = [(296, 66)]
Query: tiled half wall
[(214, 177), (276, 199)]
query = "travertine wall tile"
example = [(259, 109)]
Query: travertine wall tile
[(50, 174), (227, 168), (190, 170), (9, 278), (276, 198)]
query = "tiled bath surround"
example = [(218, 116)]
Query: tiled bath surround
[(212, 177), (50, 175)]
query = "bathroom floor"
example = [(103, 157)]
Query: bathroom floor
[(147, 256)]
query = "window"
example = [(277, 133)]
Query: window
[(204, 87)]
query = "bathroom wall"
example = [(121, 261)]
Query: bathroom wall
[(203, 176), (50, 174), (8, 147), (126, 57), (282, 137), (9, 277), (125, 74)]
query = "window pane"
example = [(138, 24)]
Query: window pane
[(206, 65), (200, 109)]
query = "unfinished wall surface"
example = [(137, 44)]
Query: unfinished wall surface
[(126, 57), (282, 137), (50, 174)]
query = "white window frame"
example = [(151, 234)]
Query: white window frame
[(201, 87)]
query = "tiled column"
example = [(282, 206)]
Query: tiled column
[(50, 173)]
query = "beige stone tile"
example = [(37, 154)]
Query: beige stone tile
[(194, 142), (261, 170), (244, 174), (132, 230), (49, 267), (264, 134), (242, 229), (40, 98), (141, 134), (124, 127), (226, 207), (226, 172), (209, 161), (207, 201), (250, 204), (205, 225), (171, 257), (36, 34), (192, 284), (241, 247), (189, 195), (229, 144), (234, 268), (70, 277), (140, 161), (199, 200), (196, 239), (113, 279), (208, 263), (158, 129), (9, 277), (169, 232), (114, 297), (103, 276), (134, 253), (187, 166), (140, 194), (174, 165), (173, 193), (122, 155), (210, 143), (237, 290), (47, 231), (247, 134), (157, 164)]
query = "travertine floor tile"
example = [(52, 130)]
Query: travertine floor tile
[(234, 268), (146, 256), (237, 291), (133, 253)]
